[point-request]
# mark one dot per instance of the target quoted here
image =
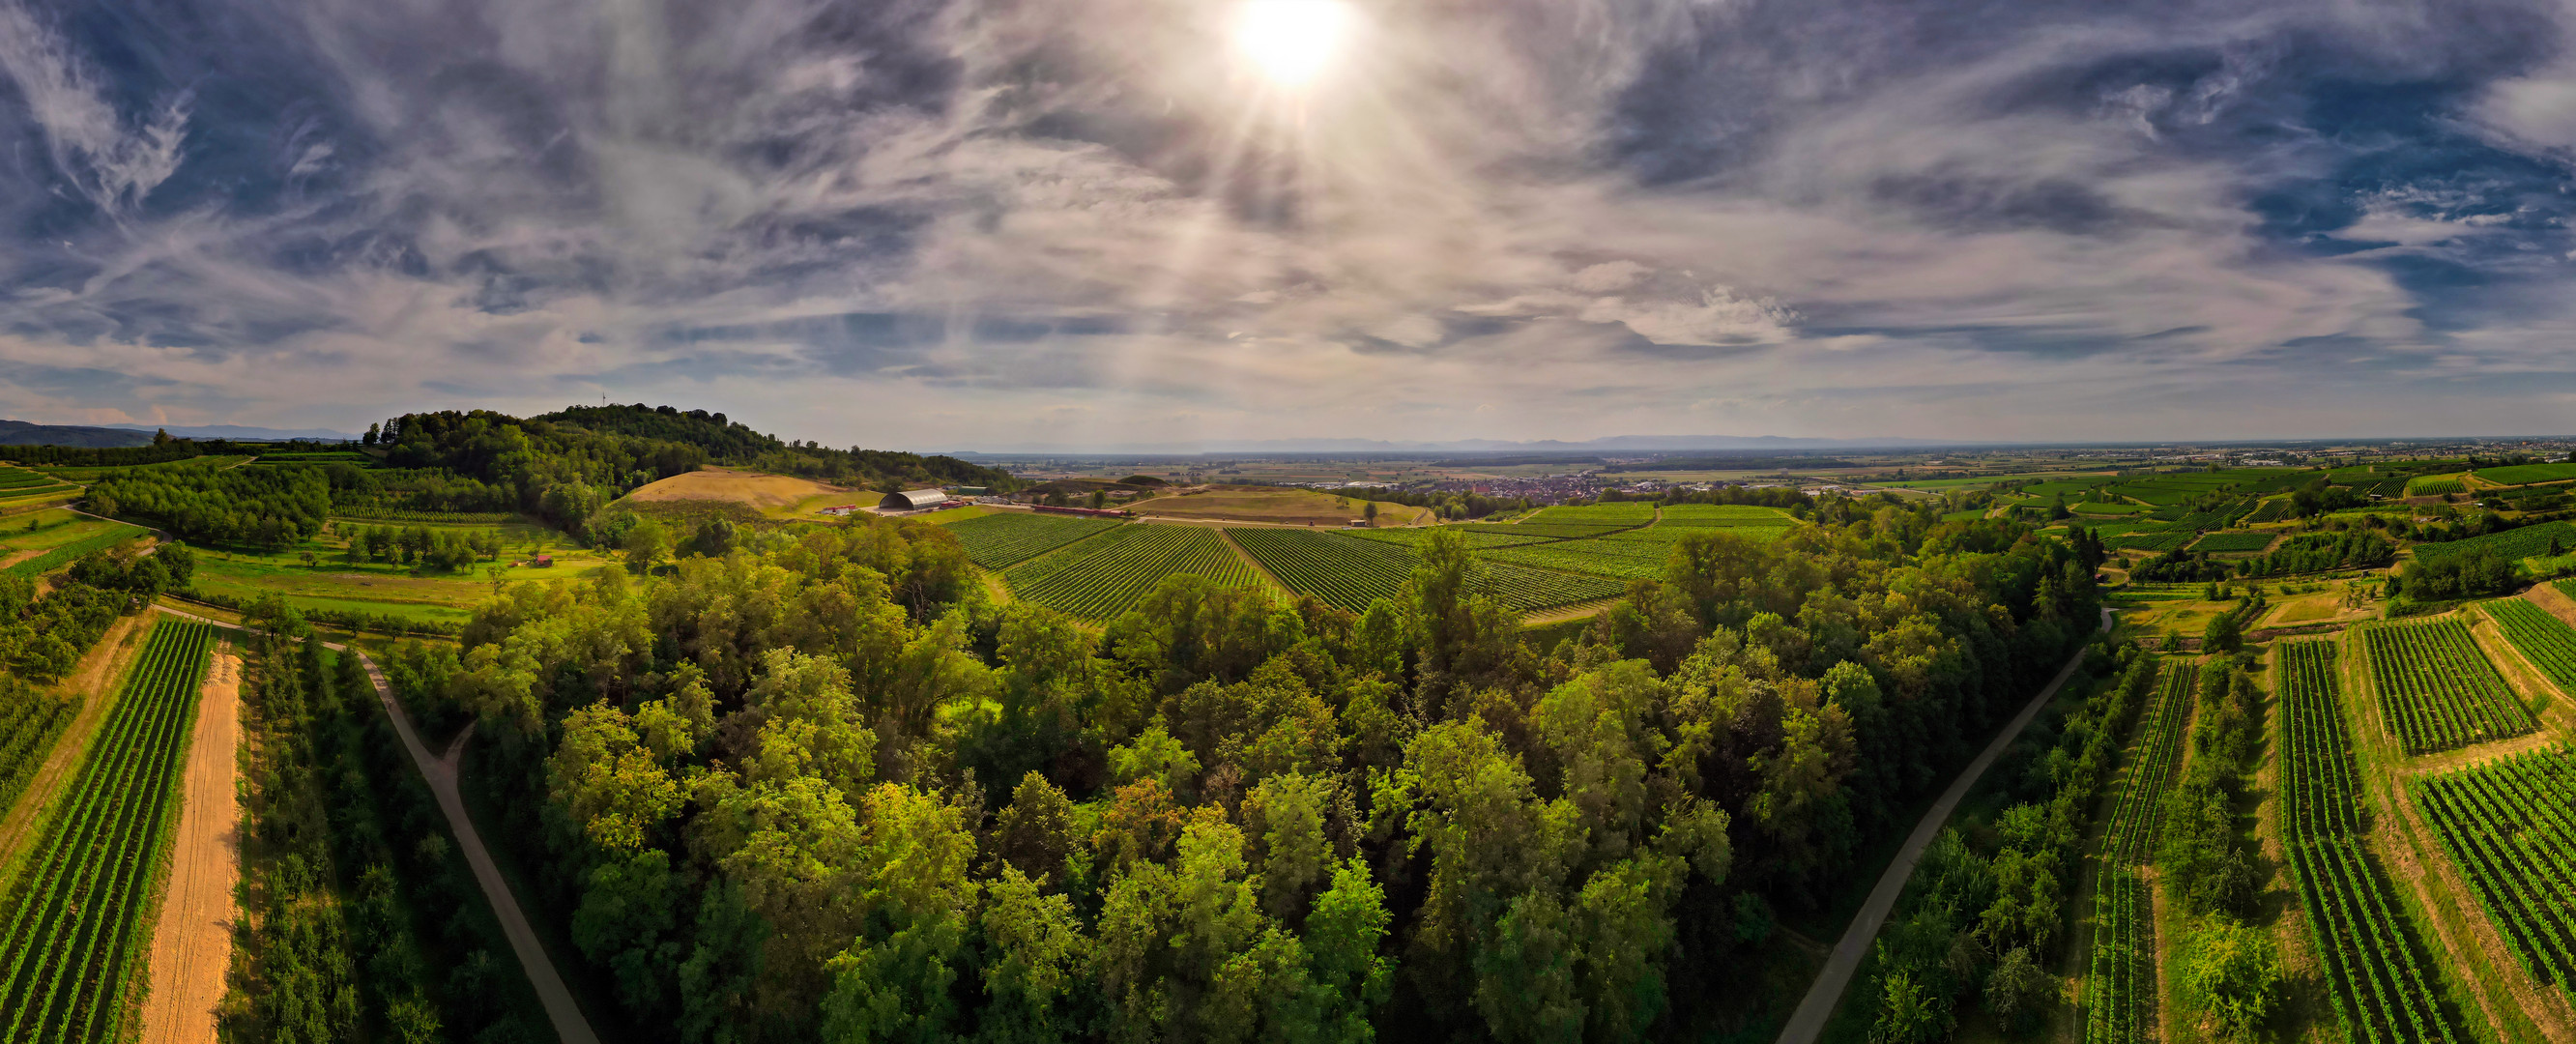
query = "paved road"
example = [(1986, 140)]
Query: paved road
[(1809, 1020), (441, 775)]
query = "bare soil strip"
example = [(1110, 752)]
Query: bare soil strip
[(192, 948)]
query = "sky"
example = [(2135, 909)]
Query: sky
[(982, 224)]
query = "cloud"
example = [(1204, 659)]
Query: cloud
[(952, 222), (114, 164)]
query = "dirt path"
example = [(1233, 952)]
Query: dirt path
[(193, 946), (570, 1026), (1808, 1022), (441, 773), (94, 683), (1258, 569), (1563, 613)]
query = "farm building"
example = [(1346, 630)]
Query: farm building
[(913, 500)]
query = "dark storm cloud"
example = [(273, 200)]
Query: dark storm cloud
[(1018, 219)]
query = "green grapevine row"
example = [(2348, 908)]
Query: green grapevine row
[(1725, 515), (1005, 540), (2381, 983), (2511, 545), (1416, 536), (2119, 989), (30, 719), (2437, 690), (1583, 556), (1351, 573), (73, 927), (1346, 573), (2507, 824), (1106, 575), (64, 555), (2120, 984), (1617, 512), (1550, 530), (2130, 837), (14, 477), (2233, 542), (2544, 639)]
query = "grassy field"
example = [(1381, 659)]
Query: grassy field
[(332, 582), (1294, 506)]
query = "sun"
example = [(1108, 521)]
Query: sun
[(1291, 41)]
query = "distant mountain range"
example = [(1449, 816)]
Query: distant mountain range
[(1614, 444), (21, 433), (236, 431)]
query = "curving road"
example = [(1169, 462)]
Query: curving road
[(440, 772), (1809, 1020)]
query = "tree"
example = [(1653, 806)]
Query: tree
[(1909, 1013), (2017, 991), (1035, 954), (2233, 971), (2224, 634)]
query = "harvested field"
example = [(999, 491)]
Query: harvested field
[(762, 492)]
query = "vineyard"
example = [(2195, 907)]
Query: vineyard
[(2542, 638), (2507, 824), (1008, 539), (2120, 992), (1724, 515), (2382, 984), (2152, 541), (75, 920), (2512, 545), (68, 553), (1600, 557), (1099, 578), (2437, 691), (2130, 837), (2226, 542), (2527, 474), (1548, 530), (1615, 513), (2436, 486), (16, 482), (1350, 573), (30, 719), (1416, 536)]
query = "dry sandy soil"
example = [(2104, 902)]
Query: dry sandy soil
[(765, 492), (192, 947)]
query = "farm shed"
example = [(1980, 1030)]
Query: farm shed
[(913, 499)]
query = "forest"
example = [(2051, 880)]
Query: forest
[(822, 787)]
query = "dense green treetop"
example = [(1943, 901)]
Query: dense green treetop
[(866, 802)]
